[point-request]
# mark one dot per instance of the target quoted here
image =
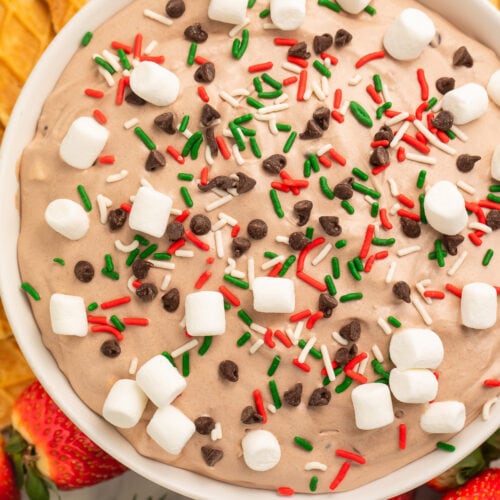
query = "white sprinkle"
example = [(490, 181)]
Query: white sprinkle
[(219, 225), (230, 220), (126, 72), (315, 466), (362, 366), (117, 177), (231, 265), (126, 248), (283, 239), (282, 98), (258, 328), (385, 93), (324, 149), (133, 366), (480, 227), (146, 183), (397, 119), (187, 133), (240, 92), (112, 60), (390, 273), (270, 26), (216, 432), (461, 135), (273, 108), (432, 138), (324, 83), (297, 332), (369, 199), (238, 274), (394, 209), (487, 407), (437, 107), (377, 353), (327, 361), (161, 264), (272, 127), (271, 263), (399, 134), (166, 281), (403, 252), (229, 99), (307, 93), (130, 282), (428, 160), (305, 351), (219, 245), (107, 76), (271, 408), (130, 123), (237, 155), (318, 91), (339, 339), (151, 46), (251, 271), (466, 187), (184, 348), (384, 325), (218, 203), (184, 253), (103, 204), (182, 322), (175, 211), (460, 260), (236, 29), (321, 256), (345, 106), (208, 156), (256, 346), (157, 17), (421, 310), (264, 118), (294, 68), (393, 187), (355, 80), (420, 286)]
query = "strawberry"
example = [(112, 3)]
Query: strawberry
[(54, 451), (8, 488), (485, 486), (409, 495)]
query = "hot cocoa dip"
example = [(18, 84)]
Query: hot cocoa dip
[(370, 271)]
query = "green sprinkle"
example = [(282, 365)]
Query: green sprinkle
[(313, 352), (377, 82), (124, 59), (275, 394), (146, 140), (110, 274), (270, 255), (185, 364), (307, 168), (245, 37), (286, 265), (344, 385), (325, 188), (255, 148), (207, 342), (382, 381), (92, 307), (245, 317), (251, 3), (148, 251), (337, 371), (309, 232), (249, 132), (495, 188), (270, 95), (276, 203), (185, 177), (86, 38), (257, 84), (243, 119), (141, 240), (394, 321), (235, 49), (186, 197), (433, 255), (358, 263), (132, 256), (360, 174), (379, 369), (493, 198), (108, 259), (243, 339), (314, 162), (192, 53), (450, 134), (361, 188), (196, 147), (117, 323), (487, 257), (432, 102), (271, 81), (445, 446), (354, 272), (423, 218), (283, 127), (321, 68), (105, 64), (30, 291), (254, 103), (331, 5), (336, 267), (381, 109), (303, 443), (421, 178), (340, 244), (370, 10), (332, 289), (274, 366), (58, 260), (374, 209), (162, 256), (191, 142), (237, 136), (360, 114), (313, 483), (85, 198), (237, 282), (383, 242), (169, 357), (347, 207), (289, 142), (184, 123), (351, 296), (227, 305), (439, 253), (264, 13)]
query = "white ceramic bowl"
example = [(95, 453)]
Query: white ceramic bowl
[(477, 17)]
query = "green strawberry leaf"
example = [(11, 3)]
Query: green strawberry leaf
[(16, 444), (36, 489), (491, 449), (470, 466), (17, 462), (51, 486)]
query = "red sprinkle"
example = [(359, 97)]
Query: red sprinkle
[(204, 176), (203, 94), (361, 379), (210, 260), (382, 255), (136, 283), (285, 41), (350, 456), (378, 170), (434, 294), (107, 329), (340, 475), (337, 98), (421, 138), (325, 161), (235, 301), (115, 302), (312, 320), (175, 246), (410, 215), (256, 68), (259, 405), (401, 154), (338, 117), (138, 46), (183, 216), (420, 110), (365, 247), (100, 116), (405, 200), (303, 366), (424, 86), (127, 207), (337, 157), (454, 289), (333, 59), (107, 160), (369, 264), (97, 94), (204, 277), (155, 59), (224, 150), (369, 57), (300, 315), (306, 250), (136, 321), (275, 270), (290, 80), (235, 231), (193, 239), (268, 339), (489, 204), (424, 149), (200, 60), (97, 320), (384, 143), (384, 219), (302, 85), (285, 491), (283, 338), (118, 45), (475, 238), (311, 281), (491, 382), (430, 126), (298, 61), (355, 361), (175, 155), (402, 436), (442, 137), (374, 94), (280, 186)]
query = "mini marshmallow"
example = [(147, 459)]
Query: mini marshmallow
[(205, 314), (479, 306), (83, 142), (150, 212), (288, 14), (228, 11), (124, 404), (409, 35), (444, 208), (466, 103), (413, 386), (495, 164), (261, 450), (67, 218), (443, 418), (154, 83), (353, 6), (161, 381), (273, 295), (68, 315), (493, 87), (372, 406), (170, 429), (416, 348)]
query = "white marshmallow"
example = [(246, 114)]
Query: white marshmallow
[(154, 83), (228, 11), (466, 103), (68, 315), (353, 6), (170, 429), (261, 450), (273, 295), (372, 406), (479, 306), (205, 314), (161, 381), (150, 212), (495, 164), (493, 87), (416, 348), (443, 417), (67, 218), (288, 14), (413, 386), (444, 208), (124, 404), (83, 142), (409, 35)]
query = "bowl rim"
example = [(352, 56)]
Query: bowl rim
[(19, 133)]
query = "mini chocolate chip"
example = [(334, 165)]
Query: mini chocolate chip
[(175, 8), (257, 229), (165, 122), (211, 142), (293, 396), (208, 115), (380, 156), (200, 224), (228, 370), (303, 211), (298, 240), (239, 246), (445, 84), (320, 397), (204, 425), (321, 43), (351, 331), (384, 134), (155, 161), (205, 73), (171, 300), (326, 304), (195, 33), (410, 227), (146, 292), (342, 38), (274, 164), (353, 351), (84, 271), (299, 50), (140, 268), (402, 291), (330, 224), (436, 41), (111, 348), (175, 230), (343, 190), (312, 131), (134, 99), (322, 117), (399, 413), (250, 416), (462, 57), (465, 163), (117, 218), (493, 219), (211, 455), (452, 242), (245, 183), (443, 121), (342, 356)]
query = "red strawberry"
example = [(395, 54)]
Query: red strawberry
[(8, 488), (54, 450), (485, 486), (409, 495)]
